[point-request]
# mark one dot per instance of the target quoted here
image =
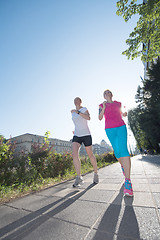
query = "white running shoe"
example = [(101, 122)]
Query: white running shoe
[(78, 181), (95, 178)]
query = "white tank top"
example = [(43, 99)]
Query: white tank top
[(81, 125)]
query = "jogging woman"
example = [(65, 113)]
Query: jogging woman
[(82, 134), (117, 134)]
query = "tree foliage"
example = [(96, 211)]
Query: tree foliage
[(6, 159), (147, 30), (145, 119)]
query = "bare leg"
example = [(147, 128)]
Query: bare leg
[(92, 158), (126, 163), (76, 160)]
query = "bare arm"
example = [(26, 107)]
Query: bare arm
[(85, 115), (101, 111), (124, 114)]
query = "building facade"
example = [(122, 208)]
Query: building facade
[(24, 142), (98, 149)]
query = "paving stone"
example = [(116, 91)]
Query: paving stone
[(35, 202), (139, 181), (155, 187), (50, 191), (49, 229), (152, 175), (97, 195), (84, 213), (136, 176), (154, 180), (113, 180), (68, 193), (128, 221), (143, 199), (157, 198), (98, 235), (107, 186), (140, 187), (9, 216), (148, 223)]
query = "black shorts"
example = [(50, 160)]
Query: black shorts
[(86, 140)]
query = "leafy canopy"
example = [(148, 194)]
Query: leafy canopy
[(147, 30), (144, 120)]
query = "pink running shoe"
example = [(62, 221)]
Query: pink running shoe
[(128, 191), (122, 170)]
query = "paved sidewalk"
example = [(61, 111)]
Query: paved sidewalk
[(98, 212)]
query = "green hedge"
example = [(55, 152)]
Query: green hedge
[(41, 163)]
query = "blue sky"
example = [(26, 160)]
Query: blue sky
[(52, 51)]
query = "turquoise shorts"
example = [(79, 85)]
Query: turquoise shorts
[(118, 139)]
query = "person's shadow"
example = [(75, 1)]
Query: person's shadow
[(119, 220), (27, 224)]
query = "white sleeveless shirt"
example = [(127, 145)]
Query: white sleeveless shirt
[(81, 125)]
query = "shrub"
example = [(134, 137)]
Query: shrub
[(106, 157), (6, 161), (59, 164), (41, 163)]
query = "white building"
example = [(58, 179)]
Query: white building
[(99, 149), (25, 142)]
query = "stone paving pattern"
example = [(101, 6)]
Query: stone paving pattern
[(91, 212)]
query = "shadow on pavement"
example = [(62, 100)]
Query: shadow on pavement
[(24, 226), (118, 220), (154, 159)]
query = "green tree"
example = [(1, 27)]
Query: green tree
[(150, 119), (145, 119), (139, 134), (147, 30)]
